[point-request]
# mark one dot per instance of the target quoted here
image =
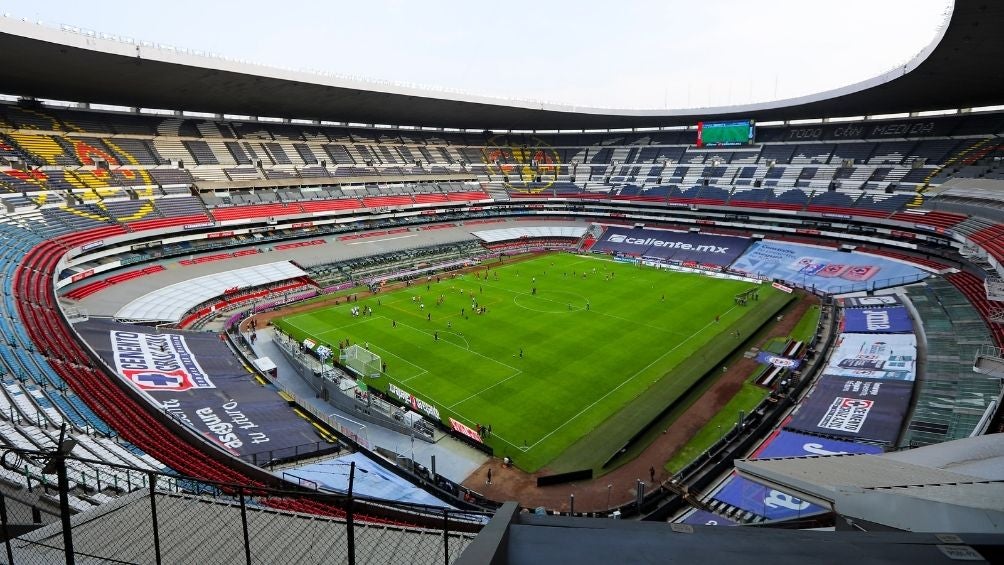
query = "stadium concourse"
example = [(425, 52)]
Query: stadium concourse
[(143, 255)]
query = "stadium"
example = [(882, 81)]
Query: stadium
[(390, 325)]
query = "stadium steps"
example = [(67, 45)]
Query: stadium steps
[(972, 151)]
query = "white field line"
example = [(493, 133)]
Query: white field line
[(577, 308), (633, 377), (367, 319)]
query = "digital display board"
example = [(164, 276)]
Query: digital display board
[(717, 134)]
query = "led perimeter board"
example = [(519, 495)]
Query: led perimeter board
[(717, 134)]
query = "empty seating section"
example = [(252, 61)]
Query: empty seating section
[(972, 287), (951, 399), (277, 153), (929, 263), (259, 211), (90, 150), (237, 153), (856, 153), (129, 210), (942, 220), (891, 153), (989, 238), (133, 151), (812, 153), (171, 176), (90, 288), (172, 150), (381, 201), (201, 151), (49, 150), (306, 154), (68, 364)]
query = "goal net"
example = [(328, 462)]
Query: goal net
[(361, 361)]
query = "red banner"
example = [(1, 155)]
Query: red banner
[(781, 287), (82, 275), (466, 430)]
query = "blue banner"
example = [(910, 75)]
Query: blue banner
[(776, 505), (705, 249), (823, 269), (870, 301), (196, 379), (702, 518), (778, 361), (762, 501), (792, 444), (895, 320)]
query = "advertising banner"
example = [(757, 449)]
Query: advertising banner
[(416, 403), (782, 288), (194, 377), (708, 249), (894, 320), (870, 301), (370, 480), (886, 356), (157, 361), (864, 409), (823, 269), (762, 501), (702, 518), (775, 505), (778, 361), (462, 428), (792, 444)]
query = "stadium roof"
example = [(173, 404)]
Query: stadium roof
[(951, 486), (959, 69), (516, 539), (169, 303)]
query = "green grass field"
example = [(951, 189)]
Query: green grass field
[(605, 347), (745, 400)]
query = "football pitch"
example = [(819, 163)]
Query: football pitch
[(572, 357)]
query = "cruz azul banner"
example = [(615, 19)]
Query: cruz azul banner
[(777, 361), (195, 378), (157, 361), (823, 269)]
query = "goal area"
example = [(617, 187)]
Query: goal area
[(361, 361)]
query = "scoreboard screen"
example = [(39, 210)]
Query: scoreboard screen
[(716, 134)]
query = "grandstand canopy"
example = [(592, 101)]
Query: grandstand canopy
[(952, 486), (955, 71), (169, 303), (508, 234)]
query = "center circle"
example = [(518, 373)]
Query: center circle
[(551, 302)]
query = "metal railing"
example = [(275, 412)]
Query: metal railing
[(198, 521)]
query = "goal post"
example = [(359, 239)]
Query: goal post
[(362, 361)]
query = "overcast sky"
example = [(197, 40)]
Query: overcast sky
[(624, 54)]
